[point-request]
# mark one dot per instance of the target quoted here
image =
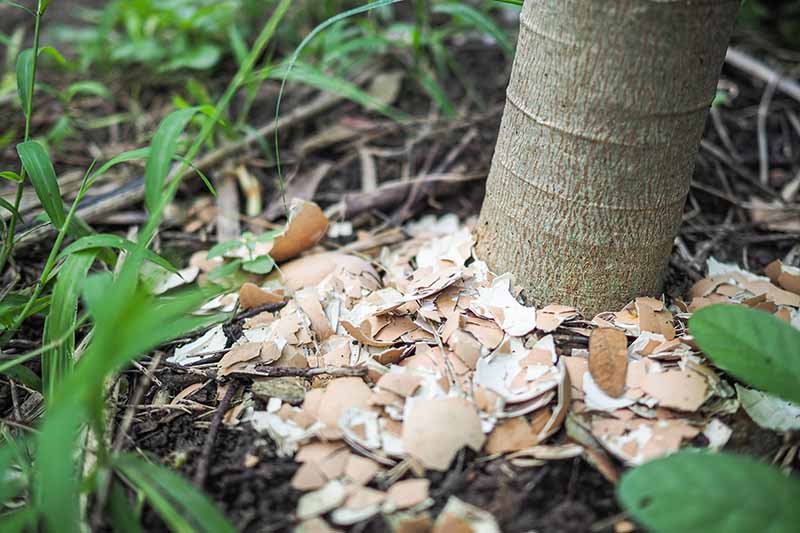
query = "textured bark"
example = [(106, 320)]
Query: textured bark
[(603, 116)]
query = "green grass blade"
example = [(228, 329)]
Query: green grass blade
[(122, 516), (25, 76), (163, 148), (481, 22), (127, 324), (43, 176), (56, 479), (435, 91), (62, 317), (18, 521), (11, 485), (178, 502), (8, 206), (292, 60), (107, 240)]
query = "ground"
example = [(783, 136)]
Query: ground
[(720, 220)]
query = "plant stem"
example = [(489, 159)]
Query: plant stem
[(8, 246), (208, 125), (48, 266)]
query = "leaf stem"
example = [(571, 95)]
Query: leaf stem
[(8, 246)]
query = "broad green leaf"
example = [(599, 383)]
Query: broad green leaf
[(57, 362), (710, 493), (754, 346), (481, 22), (768, 411), (259, 265), (25, 77), (178, 502), (43, 176), (107, 240), (163, 148)]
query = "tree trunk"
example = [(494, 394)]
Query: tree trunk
[(603, 117)]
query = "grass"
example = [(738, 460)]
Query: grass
[(90, 292)]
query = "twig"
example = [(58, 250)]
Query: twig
[(205, 456), (285, 372), (754, 67), (761, 128), (127, 420), (132, 192)]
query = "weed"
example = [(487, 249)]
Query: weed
[(124, 323), (764, 352)]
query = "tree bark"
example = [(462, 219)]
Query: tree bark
[(603, 116)]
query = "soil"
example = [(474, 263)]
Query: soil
[(559, 496)]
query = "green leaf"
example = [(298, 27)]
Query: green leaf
[(754, 346), (43, 176), (107, 240), (712, 493), (12, 483), (122, 519), (52, 52), (224, 270), (18, 6), (8, 206), (127, 324), (25, 78), (18, 521), (481, 22), (92, 88), (201, 57), (57, 362), (124, 157), (259, 265), (11, 176), (312, 76), (178, 502), (163, 148), (220, 249)]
